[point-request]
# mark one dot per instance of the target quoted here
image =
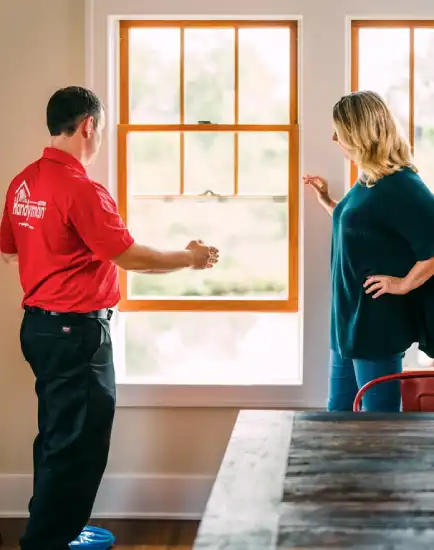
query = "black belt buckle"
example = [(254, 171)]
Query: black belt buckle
[(109, 314)]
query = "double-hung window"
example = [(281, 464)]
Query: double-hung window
[(208, 149)]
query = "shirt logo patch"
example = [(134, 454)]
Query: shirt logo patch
[(26, 208), (66, 330)]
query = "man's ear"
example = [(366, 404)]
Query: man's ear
[(88, 126)]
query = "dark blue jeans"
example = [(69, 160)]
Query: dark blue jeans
[(347, 376)]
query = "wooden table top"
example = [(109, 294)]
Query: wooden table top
[(324, 480)]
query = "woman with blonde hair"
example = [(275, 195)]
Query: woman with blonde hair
[(382, 251)]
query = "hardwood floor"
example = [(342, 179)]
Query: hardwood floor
[(130, 534)]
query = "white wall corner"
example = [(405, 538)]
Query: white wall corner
[(123, 496)]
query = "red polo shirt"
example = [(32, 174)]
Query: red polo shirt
[(65, 229)]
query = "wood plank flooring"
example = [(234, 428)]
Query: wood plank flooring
[(130, 534)]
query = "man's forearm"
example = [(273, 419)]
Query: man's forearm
[(418, 275), (157, 271), (150, 260)]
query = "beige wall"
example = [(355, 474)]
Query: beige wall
[(42, 48)]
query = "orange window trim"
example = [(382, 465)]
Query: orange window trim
[(356, 25), (124, 128)]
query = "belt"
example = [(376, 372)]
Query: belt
[(98, 314)]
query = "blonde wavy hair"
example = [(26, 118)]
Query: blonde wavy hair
[(366, 127)]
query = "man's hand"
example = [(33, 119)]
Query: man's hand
[(383, 284), (203, 257)]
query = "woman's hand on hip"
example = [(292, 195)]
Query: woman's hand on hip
[(377, 285)]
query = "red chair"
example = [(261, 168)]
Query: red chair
[(417, 390)]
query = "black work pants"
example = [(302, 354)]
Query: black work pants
[(72, 360)]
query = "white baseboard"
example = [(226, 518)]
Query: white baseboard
[(129, 496)]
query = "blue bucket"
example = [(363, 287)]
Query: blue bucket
[(93, 538)]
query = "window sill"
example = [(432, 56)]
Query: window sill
[(142, 394)]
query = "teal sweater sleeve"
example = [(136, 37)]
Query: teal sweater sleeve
[(409, 210)]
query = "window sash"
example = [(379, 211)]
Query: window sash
[(290, 304), (356, 25)]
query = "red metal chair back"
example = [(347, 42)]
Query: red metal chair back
[(417, 390)]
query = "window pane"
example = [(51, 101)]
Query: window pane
[(153, 162), (251, 234), (207, 348), (264, 76), (384, 68), (263, 163), (209, 75), (424, 103), (154, 76), (209, 162)]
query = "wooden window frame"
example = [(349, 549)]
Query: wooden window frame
[(290, 304), (356, 25)]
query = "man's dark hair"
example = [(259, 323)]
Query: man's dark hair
[(68, 107)]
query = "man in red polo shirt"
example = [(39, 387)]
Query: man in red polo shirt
[(69, 240)]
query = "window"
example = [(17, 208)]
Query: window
[(208, 148), (394, 58)]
